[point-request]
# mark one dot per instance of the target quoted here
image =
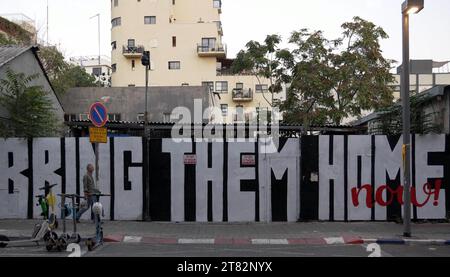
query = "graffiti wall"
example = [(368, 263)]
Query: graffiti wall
[(337, 178)]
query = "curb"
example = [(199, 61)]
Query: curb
[(278, 241)]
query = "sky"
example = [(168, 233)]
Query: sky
[(71, 28)]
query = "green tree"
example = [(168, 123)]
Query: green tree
[(73, 76), (30, 111), (327, 80), (311, 78), (15, 34), (63, 75), (259, 59), (362, 73), (4, 40)]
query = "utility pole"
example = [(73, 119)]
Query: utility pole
[(47, 22), (99, 44), (408, 7), (146, 62)]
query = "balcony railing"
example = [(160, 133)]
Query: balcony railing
[(133, 51), (218, 50), (242, 95), (229, 72)]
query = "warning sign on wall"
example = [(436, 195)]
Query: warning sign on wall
[(190, 159), (248, 160)]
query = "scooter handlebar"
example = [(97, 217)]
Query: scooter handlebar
[(48, 187), (71, 195)]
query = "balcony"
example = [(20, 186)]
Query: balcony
[(218, 50), (219, 28), (133, 52), (242, 95)]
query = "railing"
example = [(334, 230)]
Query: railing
[(240, 94), (205, 49), (229, 72), (133, 50)]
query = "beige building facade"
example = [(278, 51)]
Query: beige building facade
[(184, 38)]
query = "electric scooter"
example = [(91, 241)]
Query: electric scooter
[(42, 231), (97, 208), (66, 211)]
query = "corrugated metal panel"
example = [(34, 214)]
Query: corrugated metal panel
[(8, 53)]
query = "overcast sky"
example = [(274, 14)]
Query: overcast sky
[(245, 20)]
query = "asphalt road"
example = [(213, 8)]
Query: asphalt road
[(152, 250)]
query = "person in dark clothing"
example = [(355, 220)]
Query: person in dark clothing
[(89, 190)]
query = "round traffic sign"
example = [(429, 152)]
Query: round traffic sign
[(98, 115)]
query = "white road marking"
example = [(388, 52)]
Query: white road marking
[(338, 240), (196, 241), (131, 239), (270, 241)]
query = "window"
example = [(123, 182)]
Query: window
[(114, 45), (263, 115), (149, 19), (262, 88), (70, 117), (171, 117), (84, 117), (174, 41), (217, 4), (140, 117), (210, 85), (131, 43), (116, 3), (114, 117), (222, 87), (239, 116), (116, 22), (97, 71), (114, 67), (240, 86), (224, 108), (174, 65), (208, 43), (133, 64), (166, 117)]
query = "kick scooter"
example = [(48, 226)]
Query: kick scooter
[(42, 231), (97, 208), (66, 211)]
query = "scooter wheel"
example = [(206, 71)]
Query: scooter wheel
[(49, 244), (78, 238), (90, 244), (51, 241), (62, 244), (3, 238)]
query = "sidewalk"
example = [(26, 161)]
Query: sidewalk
[(251, 233)]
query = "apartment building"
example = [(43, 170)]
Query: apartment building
[(425, 74), (184, 38), (98, 67)]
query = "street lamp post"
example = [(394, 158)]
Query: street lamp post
[(146, 62), (408, 7)]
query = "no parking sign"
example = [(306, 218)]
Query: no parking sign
[(98, 115)]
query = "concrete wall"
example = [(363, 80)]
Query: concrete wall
[(336, 178), (129, 102), (27, 64)]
